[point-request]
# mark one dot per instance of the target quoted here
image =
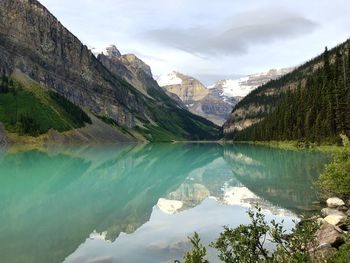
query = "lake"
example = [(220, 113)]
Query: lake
[(138, 203)]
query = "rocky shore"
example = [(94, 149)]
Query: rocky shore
[(334, 225)]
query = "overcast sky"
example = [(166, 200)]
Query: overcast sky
[(210, 40)]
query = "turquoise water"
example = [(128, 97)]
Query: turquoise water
[(138, 203)]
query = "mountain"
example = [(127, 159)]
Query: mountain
[(310, 104), (136, 72), (216, 101), (36, 47), (200, 100), (239, 88)]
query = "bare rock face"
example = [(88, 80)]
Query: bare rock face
[(189, 89), (131, 68), (208, 103), (136, 64), (112, 51), (137, 73), (35, 43)]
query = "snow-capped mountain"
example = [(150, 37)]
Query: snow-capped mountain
[(239, 88), (169, 79), (208, 103), (216, 101)]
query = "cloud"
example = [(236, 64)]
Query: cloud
[(236, 35)]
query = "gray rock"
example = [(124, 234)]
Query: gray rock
[(328, 234), (335, 220), (331, 211), (335, 202), (343, 208)]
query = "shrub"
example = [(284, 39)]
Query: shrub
[(246, 243), (198, 253), (335, 181)]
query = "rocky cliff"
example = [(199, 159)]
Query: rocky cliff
[(208, 103), (136, 72), (35, 43)]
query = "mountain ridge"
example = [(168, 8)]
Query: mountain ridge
[(309, 104), (35, 43), (214, 102)]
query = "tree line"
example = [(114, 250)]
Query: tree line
[(317, 111)]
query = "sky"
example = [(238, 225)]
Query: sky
[(210, 40)]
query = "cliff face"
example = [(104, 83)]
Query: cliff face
[(34, 42), (136, 72), (208, 103), (189, 90)]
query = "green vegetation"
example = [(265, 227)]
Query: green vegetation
[(246, 243), (33, 111), (157, 134), (198, 253), (114, 124), (316, 110), (183, 124), (77, 115), (297, 145), (335, 181)]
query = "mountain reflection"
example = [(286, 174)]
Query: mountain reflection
[(52, 200)]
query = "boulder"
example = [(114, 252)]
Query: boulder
[(328, 234), (335, 220), (343, 208), (331, 211), (335, 202)]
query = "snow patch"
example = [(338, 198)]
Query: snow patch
[(169, 206), (235, 87), (169, 79)]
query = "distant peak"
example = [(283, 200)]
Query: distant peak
[(112, 51)]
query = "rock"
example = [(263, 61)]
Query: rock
[(335, 202), (320, 221), (335, 220), (328, 234), (322, 252), (331, 211), (113, 51), (211, 104), (343, 208)]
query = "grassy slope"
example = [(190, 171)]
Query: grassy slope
[(31, 99), (26, 98)]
